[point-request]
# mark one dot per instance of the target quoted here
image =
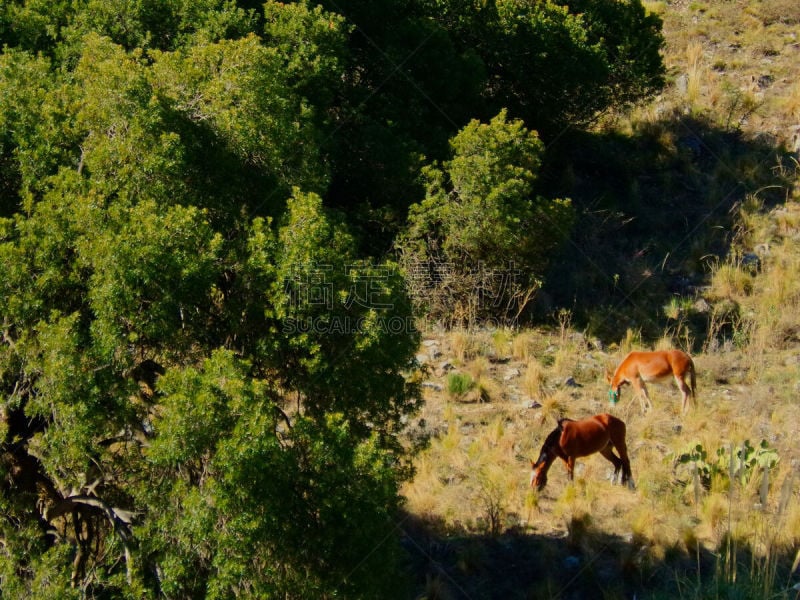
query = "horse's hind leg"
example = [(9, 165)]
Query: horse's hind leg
[(608, 453), (627, 476), (686, 391), (618, 441)]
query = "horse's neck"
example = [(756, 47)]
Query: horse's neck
[(554, 449), (618, 378)]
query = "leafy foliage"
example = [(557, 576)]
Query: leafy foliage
[(556, 64), (154, 376), (481, 220), (203, 377)]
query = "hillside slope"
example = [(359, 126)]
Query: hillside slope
[(716, 512)]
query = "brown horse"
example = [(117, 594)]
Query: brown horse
[(574, 439), (638, 367)]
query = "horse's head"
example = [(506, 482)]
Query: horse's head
[(549, 452), (539, 472), (613, 392)]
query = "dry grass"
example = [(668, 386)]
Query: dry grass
[(733, 61), (791, 102), (524, 346), (473, 477), (533, 379), (463, 345), (695, 72)]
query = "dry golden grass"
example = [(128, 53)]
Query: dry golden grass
[(533, 379), (474, 476), (463, 345), (730, 281), (523, 346), (733, 61), (695, 72), (791, 102)]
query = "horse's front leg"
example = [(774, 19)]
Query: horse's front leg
[(641, 391), (571, 468)]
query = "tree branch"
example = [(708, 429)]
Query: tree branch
[(119, 518)]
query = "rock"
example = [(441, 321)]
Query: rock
[(701, 306), (751, 261), (436, 387), (598, 344), (578, 339), (682, 83), (445, 367), (570, 382)]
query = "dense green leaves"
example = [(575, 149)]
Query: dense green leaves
[(556, 64), (203, 374), (481, 232)]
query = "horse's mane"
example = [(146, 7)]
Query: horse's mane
[(553, 437)]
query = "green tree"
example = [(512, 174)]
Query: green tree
[(557, 64), (407, 88), (482, 235), (170, 455), (191, 338), (180, 416), (387, 83), (56, 28)]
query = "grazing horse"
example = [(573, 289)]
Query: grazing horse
[(638, 367), (574, 439)]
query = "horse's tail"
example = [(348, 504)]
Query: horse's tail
[(694, 383)]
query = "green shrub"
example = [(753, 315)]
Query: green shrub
[(458, 384)]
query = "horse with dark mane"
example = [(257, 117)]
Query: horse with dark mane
[(574, 439)]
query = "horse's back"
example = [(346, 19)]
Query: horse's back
[(659, 364), (581, 438), (609, 420)]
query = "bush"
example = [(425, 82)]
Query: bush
[(458, 384), (478, 245)]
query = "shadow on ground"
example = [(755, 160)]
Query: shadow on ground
[(583, 563), (657, 211)]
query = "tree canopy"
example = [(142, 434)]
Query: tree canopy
[(206, 352)]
